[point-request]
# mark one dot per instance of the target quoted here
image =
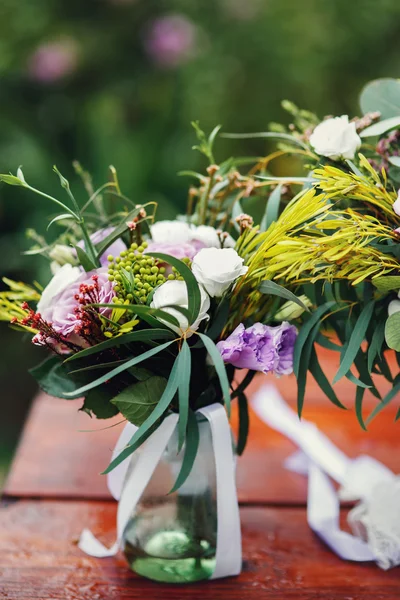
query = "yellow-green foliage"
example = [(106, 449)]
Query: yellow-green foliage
[(12, 299)]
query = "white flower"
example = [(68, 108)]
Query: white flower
[(170, 232), (216, 269), (66, 275), (336, 138), (175, 293), (396, 204), (209, 237)]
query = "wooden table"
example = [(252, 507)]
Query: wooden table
[(54, 490)]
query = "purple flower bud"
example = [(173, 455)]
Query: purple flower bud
[(53, 61), (170, 40), (261, 348)]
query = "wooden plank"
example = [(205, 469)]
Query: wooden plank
[(56, 459), (283, 560)]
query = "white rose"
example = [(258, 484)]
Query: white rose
[(175, 292), (336, 138), (170, 232), (209, 237), (216, 269), (66, 275), (396, 204)]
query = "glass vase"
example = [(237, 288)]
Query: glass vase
[(172, 537)]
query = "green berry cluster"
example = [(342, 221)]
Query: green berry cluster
[(135, 274)]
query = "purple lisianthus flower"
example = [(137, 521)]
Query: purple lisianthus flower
[(115, 249), (171, 40), (260, 348), (53, 61), (61, 309)]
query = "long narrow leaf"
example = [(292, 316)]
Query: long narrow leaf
[(355, 340), (130, 363), (274, 289), (243, 424), (359, 404), (86, 263), (143, 311), (140, 435), (305, 332), (183, 389), (378, 337), (193, 290), (323, 382), (272, 209), (220, 369), (386, 400), (143, 335), (192, 445), (117, 231)]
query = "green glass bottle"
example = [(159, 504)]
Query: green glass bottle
[(172, 537)]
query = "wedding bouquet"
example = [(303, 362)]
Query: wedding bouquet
[(153, 319)]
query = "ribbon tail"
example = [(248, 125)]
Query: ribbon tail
[(229, 541), (90, 545), (323, 512)]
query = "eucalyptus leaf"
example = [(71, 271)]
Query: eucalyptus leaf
[(355, 340), (97, 402), (220, 369), (392, 331), (243, 424), (183, 391), (381, 127), (386, 283), (382, 95), (274, 289), (272, 209), (137, 401), (395, 160), (130, 363), (55, 379), (191, 448)]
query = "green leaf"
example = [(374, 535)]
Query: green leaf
[(184, 389), (397, 417), (266, 135), (304, 366), (305, 331), (55, 379), (84, 260), (395, 160), (243, 424), (97, 402), (386, 400), (387, 283), (117, 232), (144, 335), (378, 337), (137, 402), (219, 320), (355, 170), (237, 210), (358, 405), (325, 342), (192, 444), (146, 313), (62, 217), (392, 331), (271, 213), (220, 369), (130, 363), (323, 382), (274, 289), (140, 435), (382, 95), (381, 127), (193, 290), (355, 340)]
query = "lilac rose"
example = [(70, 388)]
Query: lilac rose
[(61, 309), (261, 348)]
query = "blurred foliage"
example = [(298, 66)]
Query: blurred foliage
[(120, 80)]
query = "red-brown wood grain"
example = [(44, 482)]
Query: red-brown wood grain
[(54, 490), (283, 560)]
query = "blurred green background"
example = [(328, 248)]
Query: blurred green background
[(118, 81)]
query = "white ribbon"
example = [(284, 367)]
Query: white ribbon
[(318, 457), (128, 487)]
